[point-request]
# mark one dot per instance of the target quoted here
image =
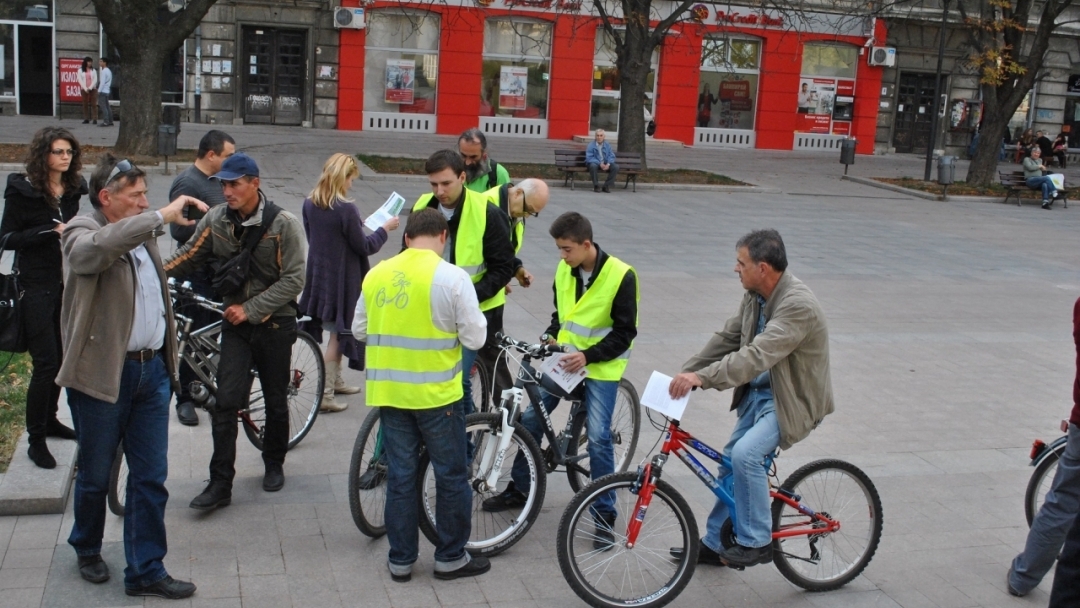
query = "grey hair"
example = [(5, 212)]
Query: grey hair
[(765, 246)]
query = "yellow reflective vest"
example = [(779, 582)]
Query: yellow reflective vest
[(584, 322), (469, 240), (411, 364)]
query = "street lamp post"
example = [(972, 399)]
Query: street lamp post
[(937, 93)]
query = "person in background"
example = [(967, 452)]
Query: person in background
[(104, 88), (337, 263), (481, 173), (1024, 144), (119, 367), (1061, 149), (1035, 178), (600, 157), (214, 148), (37, 206), (1045, 145), (88, 87)]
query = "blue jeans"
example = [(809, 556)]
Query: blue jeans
[(466, 405), (751, 441), (599, 407), (442, 431), (140, 417), (1041, 183), (1052, 522)]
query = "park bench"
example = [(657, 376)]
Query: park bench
[(572, 162), (1016, 184)]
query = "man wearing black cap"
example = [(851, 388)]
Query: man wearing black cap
[(260, 316)]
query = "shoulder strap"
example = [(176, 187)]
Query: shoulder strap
[(252, 237), (14, 253), (493, 175)]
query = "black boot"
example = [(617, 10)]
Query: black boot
[(39, 453), (55, 428)]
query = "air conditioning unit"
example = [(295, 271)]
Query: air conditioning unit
[(883, 55), (349, 17)]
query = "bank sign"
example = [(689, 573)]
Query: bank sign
[(69, 79)]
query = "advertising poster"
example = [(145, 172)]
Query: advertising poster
[(69, 79), (841, 128), (512, 82), (737, 92), (400, 80)]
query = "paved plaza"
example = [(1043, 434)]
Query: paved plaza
[(951, 351)]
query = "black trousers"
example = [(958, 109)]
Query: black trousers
[(200, 318), (41, 326), (1066, 590), (267, 348)]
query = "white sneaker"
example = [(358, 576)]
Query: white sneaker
[(1053, 194)]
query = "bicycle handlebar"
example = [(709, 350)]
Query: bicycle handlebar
[(536, 351), (184, 290)]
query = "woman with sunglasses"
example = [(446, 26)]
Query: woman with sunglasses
[(338, 251), (37, 206)]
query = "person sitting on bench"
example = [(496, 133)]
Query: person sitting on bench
[(1034, 178)]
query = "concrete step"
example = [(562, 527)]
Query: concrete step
[(27, 489)]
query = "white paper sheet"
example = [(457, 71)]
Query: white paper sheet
[(391, 208), (656, 397), (550, 367)]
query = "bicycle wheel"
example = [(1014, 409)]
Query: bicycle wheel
[(367, 478), (492, 533), (118, 478), (480, 377), (646, 574), (307, 377), (625, 427), (1039, 484), (829, 560)]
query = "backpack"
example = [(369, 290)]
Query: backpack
[(231, 275), (493, 176)]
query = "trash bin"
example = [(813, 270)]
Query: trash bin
[(847, 152), (170, 115), (166, 141), (946, 170)]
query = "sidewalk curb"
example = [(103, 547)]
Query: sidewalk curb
[(158, 169), (27, 489), (925, 195)]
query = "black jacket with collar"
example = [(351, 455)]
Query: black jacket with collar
[(30, 221), (624, 313)]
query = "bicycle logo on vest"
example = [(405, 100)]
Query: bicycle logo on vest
[(400, 299)]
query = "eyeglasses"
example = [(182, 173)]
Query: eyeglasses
[(65, 152), (525, 206), (121, 167)]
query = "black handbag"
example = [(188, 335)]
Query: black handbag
[(12, 338), (231, 275)]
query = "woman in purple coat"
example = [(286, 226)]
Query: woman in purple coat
[(337, 262)]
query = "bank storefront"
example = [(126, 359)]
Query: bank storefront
[(732, 77)]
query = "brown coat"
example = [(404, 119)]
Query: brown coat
[(99, 301), (794, 348)]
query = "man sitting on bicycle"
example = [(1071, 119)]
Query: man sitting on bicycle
[(775, 353), (596, 298)]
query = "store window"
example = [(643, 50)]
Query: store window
[(401, 62), (173, 82), (606, 89), (517, 60), (826, 96), (26, 10), (728, 86), (7, 60)]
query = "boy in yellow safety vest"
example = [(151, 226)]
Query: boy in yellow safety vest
[(596, 302)]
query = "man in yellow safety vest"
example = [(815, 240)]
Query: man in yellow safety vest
[(416, 312), (596, 311)]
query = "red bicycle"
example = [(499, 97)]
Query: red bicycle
[(826, 527)]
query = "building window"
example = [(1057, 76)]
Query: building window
[(401, 62), (517, 58), (728, 85), (173, 81), (826, 96), (607, 84), (7, 62), (26, 10)]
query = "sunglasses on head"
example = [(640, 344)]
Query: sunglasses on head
[(121, 167)]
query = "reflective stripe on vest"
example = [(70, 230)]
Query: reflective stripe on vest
[(469, 240), (583, 323), (411, 364)]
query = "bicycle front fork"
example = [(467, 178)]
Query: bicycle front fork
[(648, 475)]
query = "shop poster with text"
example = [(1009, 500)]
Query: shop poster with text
[(400, 80), (512, 81)]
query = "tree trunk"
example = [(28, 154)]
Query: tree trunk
[(140, 103), (983, 168), (633, 63)]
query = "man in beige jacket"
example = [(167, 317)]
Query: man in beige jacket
[(775, 353)]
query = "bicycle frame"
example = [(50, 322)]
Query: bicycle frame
[(678, 441)]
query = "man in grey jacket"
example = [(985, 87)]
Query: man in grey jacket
[(775, 353), (260, 319), (119, 367)]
